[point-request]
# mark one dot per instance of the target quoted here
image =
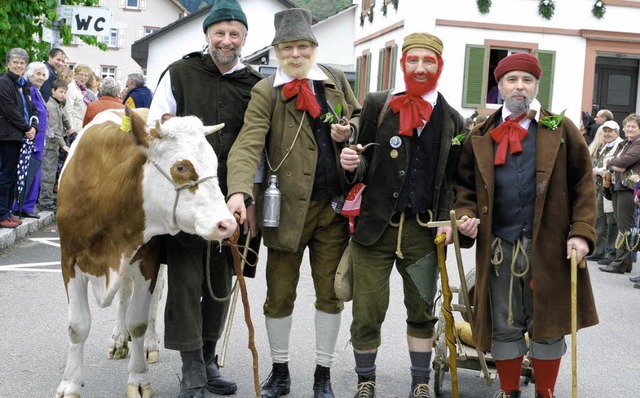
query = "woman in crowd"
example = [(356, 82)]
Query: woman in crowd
[(78, 96), (29, 165), (624, 163), (602, 149)]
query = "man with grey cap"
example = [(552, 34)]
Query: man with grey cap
[(215, 86), (408, 177), (301, 151)]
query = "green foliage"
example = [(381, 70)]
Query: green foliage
[(484, 6), (547, 8), (21, 24), (598, 9)]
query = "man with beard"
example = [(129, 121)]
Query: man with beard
[(285, 119), (408, 177), (215, 86), (525, 190)]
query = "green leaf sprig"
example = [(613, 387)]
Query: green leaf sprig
[(552, 122), (330, 118)]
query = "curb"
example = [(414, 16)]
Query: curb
[(9, 236)]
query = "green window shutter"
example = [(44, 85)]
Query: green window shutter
[(393, 63), (357, 84), (474, 86), (367, 81), (380, 68), (547, 63)]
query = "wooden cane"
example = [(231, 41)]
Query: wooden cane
[(574, 321), (237, 264), (447, 313)]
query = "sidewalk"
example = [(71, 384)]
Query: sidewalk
[(9, 236)]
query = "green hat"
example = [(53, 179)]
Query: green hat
[(225, 10), (293, 24)]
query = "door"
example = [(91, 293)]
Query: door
[(616, 86)]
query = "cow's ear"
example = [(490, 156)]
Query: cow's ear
[(138, 127), (155, 132), (166, 117)]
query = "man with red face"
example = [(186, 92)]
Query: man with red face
[(525, 191), (408, 178)]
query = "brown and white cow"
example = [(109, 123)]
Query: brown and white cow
[(122, 186)]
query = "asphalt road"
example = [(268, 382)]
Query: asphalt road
[(33, 339)]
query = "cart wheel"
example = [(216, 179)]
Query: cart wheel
[(437, 382), (440, 361), (470, 278)]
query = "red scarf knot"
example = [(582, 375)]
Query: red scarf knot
[(508, 134), (306, 98), (414, 110)]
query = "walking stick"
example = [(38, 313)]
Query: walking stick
[(234, 302), (574, 321), (238, 263), (448, 315)]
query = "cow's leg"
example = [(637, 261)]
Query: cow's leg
[(137, 318), (119, 341), (151, 341), (79, 326)]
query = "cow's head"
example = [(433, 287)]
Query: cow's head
[(180, 182)]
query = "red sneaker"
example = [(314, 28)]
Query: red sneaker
[(16, 220), (8, 224)]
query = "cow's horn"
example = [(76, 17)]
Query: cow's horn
[(212, 129)]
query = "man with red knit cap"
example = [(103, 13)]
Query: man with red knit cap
[(524, 190), (408, 177)]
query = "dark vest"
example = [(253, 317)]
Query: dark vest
[(326, 182), (515, 191), (417, 190)]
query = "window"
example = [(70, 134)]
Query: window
[(363, 75), (149, 29), (387, 62), (481, 61), (108, 71), (133, 4), (112, 39)]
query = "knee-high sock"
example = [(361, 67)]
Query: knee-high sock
[(546, 372), (327, 328), (509, 372), (278, 331)]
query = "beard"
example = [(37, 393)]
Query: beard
[(421, 86), (298, 72), (221, 58), (518, 106)]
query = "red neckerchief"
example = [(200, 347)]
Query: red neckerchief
[(508, 134), (413, 110), (306, 98)]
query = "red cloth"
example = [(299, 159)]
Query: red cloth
[(413, 110), (509, 374), (546, 375), (102, 104), (306, 98), (508, 134), (351, 206)]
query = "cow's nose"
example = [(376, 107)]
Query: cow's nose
[(226, 228)]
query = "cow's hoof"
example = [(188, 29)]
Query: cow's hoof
[(139, 392), (118, 352), (152, 356)]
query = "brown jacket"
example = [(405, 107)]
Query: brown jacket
[(564, 207)]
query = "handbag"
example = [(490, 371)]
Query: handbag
[(343, 283)]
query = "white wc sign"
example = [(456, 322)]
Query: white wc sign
[(91, 21)]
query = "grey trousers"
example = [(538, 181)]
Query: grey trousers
[(508, 338), (49, 170)]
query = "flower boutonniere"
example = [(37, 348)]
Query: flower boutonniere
[(552, 122), (459, 139), (333, 117)]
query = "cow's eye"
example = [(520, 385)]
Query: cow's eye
[(181, 168)]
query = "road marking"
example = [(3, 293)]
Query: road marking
[(30, 267), (55, 242)]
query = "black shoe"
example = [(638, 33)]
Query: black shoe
[(612, 268), (51, 208), (366, 387), (635, 279), (629, 268), (278, 383), (420, 388), (194, 375), (605, 261), (595, 257), (636, 285), (322, 383), (28, 214), (216, 383)]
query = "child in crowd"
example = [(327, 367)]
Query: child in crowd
[(58, 126)]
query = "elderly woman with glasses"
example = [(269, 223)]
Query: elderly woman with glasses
[(78, 96), (18, 120)]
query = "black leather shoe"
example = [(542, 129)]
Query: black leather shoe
[(420, 388), (216, 383), (322, 383), (29, 214), (192, 393), (605, 261), (366, 387), (636, 285), (635, 279), (278, 383), (612, 268), (193, 374)]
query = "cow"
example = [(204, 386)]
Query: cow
[(122, 186)]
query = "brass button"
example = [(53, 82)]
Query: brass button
[(484, 210)]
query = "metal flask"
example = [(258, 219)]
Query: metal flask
[(271, 204)]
